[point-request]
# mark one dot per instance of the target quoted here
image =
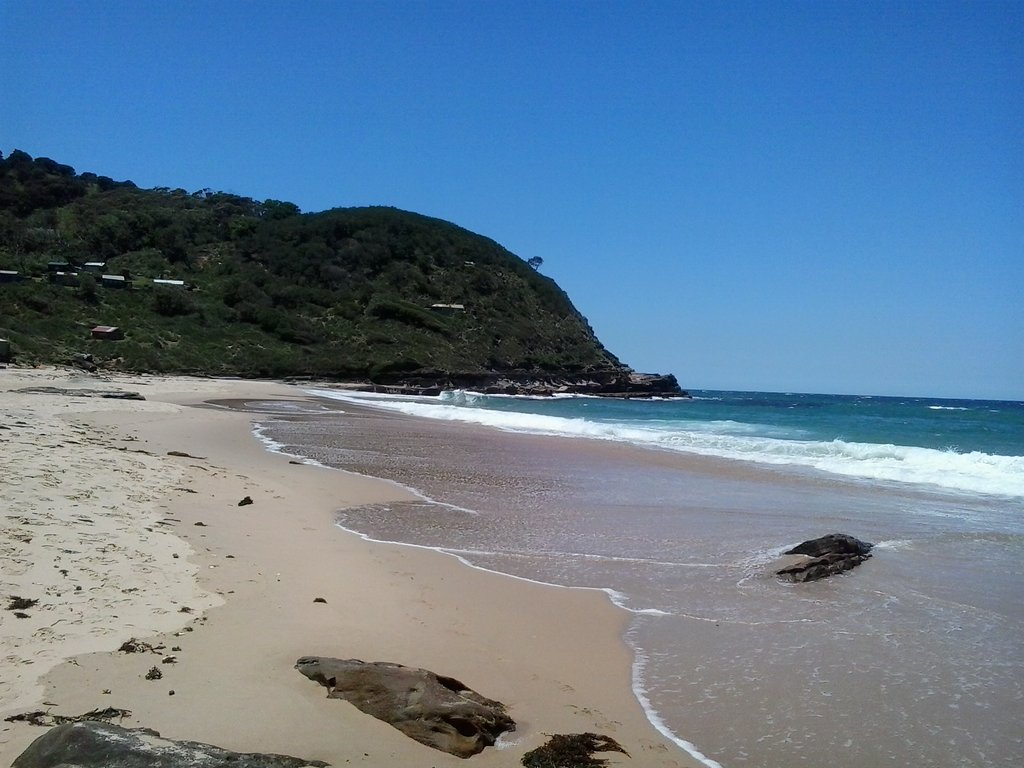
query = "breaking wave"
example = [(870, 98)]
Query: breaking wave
[(973, 472)]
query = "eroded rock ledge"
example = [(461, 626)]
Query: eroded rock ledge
[(440, 712)]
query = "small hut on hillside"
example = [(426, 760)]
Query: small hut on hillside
[(107, 333), (69, 279), (115, 281), (448, 309)]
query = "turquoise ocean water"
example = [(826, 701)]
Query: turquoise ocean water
[(970, 445), (679, 508)]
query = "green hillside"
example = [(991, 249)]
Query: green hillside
[(345, 293)]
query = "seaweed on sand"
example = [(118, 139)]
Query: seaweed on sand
[(20, 603), (573, 750), (40, 717)]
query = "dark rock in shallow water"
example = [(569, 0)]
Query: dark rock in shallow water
[(826, 556), (91, 744), (832, 544), (816, 568), (437, 711)]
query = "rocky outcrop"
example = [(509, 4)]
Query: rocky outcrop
[(114, 394), (618, 383), (91, 744), (831, 544), (825, 556), (437, 711)]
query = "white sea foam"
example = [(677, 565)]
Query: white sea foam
[(259, 432), (639, 665), (973, 472)]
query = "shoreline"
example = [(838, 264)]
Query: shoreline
[(614, 598), (507, 638)]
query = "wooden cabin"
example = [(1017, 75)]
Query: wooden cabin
[(448, 309), (69, 279), (115, 281), (107, 333)]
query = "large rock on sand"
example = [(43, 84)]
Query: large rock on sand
[(92, 744), (825, 556), (437, 711)]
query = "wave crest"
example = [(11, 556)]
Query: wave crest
[(973, 472)]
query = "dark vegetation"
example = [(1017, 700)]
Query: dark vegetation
[(572, 750), (47, 719), (345, 293), (20, 603)]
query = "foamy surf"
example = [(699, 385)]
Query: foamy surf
[(971, 472)]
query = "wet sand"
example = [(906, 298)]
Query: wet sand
[(90, 482)]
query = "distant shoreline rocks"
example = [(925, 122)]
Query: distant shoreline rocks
[(615, 383)]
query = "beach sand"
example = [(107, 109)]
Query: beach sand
[(101, 526)]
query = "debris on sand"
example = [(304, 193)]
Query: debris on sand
[(572, 750), (20, 603), (40, 717)]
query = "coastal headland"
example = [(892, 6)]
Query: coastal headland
[(123, 521)]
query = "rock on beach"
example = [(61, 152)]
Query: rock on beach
[(825, 556), (440, 712), (93, 744)]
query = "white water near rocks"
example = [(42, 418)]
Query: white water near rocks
[(914, 658)]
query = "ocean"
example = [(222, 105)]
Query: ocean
[(678, 509)]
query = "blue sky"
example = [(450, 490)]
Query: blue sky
[(800, 196)]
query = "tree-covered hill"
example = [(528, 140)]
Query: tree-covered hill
[(269, 291)]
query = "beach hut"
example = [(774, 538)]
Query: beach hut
[(58, 266), (95, 266), (168, 282), (448, 309), (9, 276), (69, 279), (115, 281), (5, 351), (107, 333)]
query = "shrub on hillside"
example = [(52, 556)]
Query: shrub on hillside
[(407, 313), (172, 302)]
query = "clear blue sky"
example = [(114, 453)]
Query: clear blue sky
[(802, 196)]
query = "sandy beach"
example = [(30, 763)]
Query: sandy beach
[(117, 539)]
